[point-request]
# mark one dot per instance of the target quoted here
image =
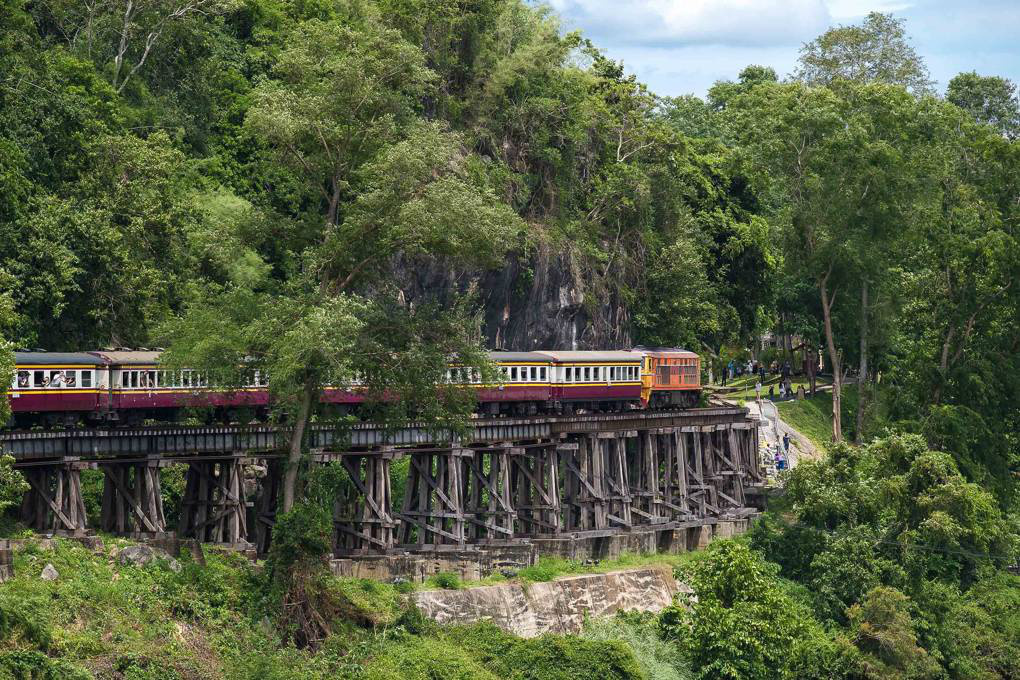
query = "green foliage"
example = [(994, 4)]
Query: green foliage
[(988, 99), (658, 658), (739, 622), (875, 51), (894, 547), (12, 483)]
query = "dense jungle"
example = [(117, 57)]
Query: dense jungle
[(324, 189)]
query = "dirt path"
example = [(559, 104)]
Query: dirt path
[(773, 428)]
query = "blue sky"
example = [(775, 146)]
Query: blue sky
[(683, 46)]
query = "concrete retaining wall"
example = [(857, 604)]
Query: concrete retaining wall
[(470, 565), (6, 561), (559, 606)]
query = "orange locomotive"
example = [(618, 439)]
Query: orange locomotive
[(669, 377)]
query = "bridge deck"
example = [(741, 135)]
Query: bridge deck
[(180, 441)]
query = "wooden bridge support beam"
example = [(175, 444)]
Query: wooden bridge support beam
[(701, 495), (214, 509), (652, 488), (586, 507), (433, 515), (617, 484), (488, 502), (260, 528), (54, 502), (132, 498), (362, 519), (535, 484)]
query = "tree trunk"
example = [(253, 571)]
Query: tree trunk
[(296, 440), (837, 377), (812, 368), (862, 373)]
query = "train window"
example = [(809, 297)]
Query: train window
[(513, 374), (533, 374), (70, 378), (568, 376), (86, 378), (23, 380), (39, 378), (587, 373), (541, 373)]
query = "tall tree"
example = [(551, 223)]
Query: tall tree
[(988, 99), (378, 189), (877, 50), (801, 143)]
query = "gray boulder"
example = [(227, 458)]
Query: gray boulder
[(49, 573), (142, 555)]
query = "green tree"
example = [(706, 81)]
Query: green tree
[(884, 632), (12, 484), (738, 623), (877, 50), (339, 114), (797, 140), (988, 99)]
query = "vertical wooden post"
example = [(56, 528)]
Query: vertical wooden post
[(362, 519), (536, 489), (433, 515), (54, 502)]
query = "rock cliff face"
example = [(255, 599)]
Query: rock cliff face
[(558, 606), (543, 302)]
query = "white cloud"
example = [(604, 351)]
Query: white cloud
[(842, 10), (691, 22)]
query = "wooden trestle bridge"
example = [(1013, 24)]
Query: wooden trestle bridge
[(503, 480)]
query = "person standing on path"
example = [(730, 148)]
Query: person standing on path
[(786, 443), (757, 391)]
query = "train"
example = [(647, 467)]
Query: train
[(129, 387)]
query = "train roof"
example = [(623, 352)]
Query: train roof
[(48, 358), (517, 356), (122, 358), (660, 351), (608, 355)]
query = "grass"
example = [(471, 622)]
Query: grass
[(745, 386), (549, 568), (101, 619), (812, 417)]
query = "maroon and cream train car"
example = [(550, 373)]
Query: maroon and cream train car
[(141, 389), (60, 387), (131, 387), (524, 387), (594, 380)]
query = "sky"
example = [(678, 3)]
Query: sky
[(683, 46)]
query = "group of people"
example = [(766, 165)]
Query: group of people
[(782, 452), (785, 390), (54, 379), (735, 369)]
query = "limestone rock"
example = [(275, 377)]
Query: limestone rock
[(558, 606), (142, 555), (49, 573)]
